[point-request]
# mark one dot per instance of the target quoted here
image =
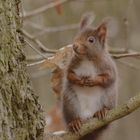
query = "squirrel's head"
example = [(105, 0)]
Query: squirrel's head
[(90, 40)]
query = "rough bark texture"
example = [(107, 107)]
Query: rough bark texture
[(20, 113)]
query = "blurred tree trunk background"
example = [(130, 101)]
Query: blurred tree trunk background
[(20, 113)]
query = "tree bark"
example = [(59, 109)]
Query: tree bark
[(20, 113)]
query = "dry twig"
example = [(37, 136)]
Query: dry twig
[(56, 29), (118, 56), (35, 40), (43, 8), (42, 55)]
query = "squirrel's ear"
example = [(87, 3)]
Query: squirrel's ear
[(86, 20), (101, 32)]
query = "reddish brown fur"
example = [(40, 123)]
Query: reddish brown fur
[(98, 55)]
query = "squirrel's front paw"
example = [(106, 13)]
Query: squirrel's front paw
[(88, 81), (75, 125), (102, 113), (81, 81)]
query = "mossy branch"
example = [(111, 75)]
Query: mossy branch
[(93, 124)]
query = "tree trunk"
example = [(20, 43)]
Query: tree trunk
[(20, 113)]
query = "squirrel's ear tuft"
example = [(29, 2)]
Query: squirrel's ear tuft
[(87, 20), (102, 32)]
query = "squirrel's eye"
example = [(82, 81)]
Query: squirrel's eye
[(91, 39)]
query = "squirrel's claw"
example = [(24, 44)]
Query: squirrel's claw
[(75, 125), (102, 113), (89, 82)]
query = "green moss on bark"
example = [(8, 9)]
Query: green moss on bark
[(20, 112)]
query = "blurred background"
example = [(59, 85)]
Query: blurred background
[(56, 26)]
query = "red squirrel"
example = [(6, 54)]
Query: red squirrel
[(89, 80)]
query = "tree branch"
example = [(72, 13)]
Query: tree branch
[(61, 55), (44, 30), (93, 124), (43, 8), (130, 65), (36, 50), (35, 40), (117, 56), (36, 63), (57, 29)]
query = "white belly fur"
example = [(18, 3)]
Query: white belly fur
[(86, 68), (89, 97)]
